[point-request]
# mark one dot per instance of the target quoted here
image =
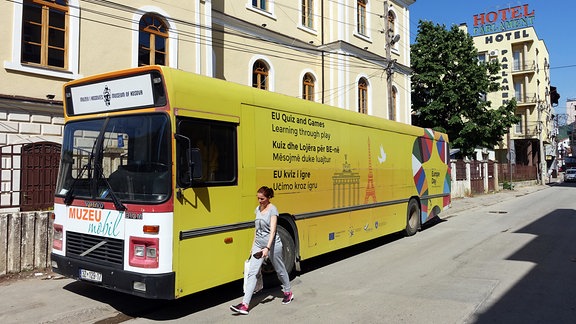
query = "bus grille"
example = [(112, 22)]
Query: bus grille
[(110, 253)]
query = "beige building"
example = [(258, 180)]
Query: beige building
[(335, 52), (509, 37)]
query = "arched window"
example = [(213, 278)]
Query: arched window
[(361, 17), (260, 75), (363, 96), (308, 87), (44, 33), (153, 41)]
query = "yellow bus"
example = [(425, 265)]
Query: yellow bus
[(159, 171)]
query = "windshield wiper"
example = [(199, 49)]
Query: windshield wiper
[(69, 198), (99, 175)]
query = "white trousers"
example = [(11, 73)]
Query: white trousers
[(255, 265)]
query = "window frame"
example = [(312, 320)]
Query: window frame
[(519, 127), (361, 17), (307, 14), (261, 5), (268, 11), (72, 43), (519, 91), (46, 27), (362, 87), (172, 30), (257, 75), (308, 86), (153, 33)]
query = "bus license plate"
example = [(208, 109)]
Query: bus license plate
[(90, 275)]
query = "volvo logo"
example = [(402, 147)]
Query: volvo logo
[(94, 204)]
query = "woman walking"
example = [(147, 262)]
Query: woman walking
[(266, 244)]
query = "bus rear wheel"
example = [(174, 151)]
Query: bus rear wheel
[(288, 252), (412, 218)]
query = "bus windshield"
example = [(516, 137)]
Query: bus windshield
[(122, 159)]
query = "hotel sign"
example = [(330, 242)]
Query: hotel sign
[(503, 20)]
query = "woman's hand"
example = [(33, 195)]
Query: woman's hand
[(265, 252)]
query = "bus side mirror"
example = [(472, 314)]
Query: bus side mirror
[(190, 162)]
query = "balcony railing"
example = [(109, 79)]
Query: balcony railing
[(526, 98), (523, 67)]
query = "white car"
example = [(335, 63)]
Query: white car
[(570, 175)]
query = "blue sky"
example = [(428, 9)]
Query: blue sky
[(554, 24)]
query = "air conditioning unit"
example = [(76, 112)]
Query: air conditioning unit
[(493, 53)]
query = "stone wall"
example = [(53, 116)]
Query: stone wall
[(25, 241)]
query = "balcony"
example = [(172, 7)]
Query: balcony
[(524, 99), (523, 67)]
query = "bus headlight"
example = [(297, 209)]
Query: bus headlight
[(151, 252), (139, 250)]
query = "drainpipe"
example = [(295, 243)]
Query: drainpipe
[(322, 44)]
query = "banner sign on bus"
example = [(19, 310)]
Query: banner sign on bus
[(111, 95)]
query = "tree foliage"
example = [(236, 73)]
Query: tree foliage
[(449, 88)]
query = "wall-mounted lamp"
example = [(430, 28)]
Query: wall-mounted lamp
[(366, 47), (264, 25), (311, 42), (50, 96)]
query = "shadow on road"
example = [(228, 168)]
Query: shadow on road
[(547, 294), (132, 306)]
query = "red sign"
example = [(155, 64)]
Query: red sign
[(503, 20), (502, 14)]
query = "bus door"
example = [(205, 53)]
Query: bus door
[(207, 211)]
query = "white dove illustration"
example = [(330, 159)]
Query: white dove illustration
[(382, 157)]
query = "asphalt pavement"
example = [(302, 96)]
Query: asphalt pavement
[(84, 303)]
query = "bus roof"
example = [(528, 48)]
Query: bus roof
[(231, 96)]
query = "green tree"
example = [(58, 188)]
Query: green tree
[(449, 87)]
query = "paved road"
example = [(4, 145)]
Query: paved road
[(504, 258)]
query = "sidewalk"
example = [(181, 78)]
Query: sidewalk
[(468, 203)]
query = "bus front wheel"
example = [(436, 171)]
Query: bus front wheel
[(413, 218)]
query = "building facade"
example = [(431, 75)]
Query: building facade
[(352, 54), (333, 52), (509, 37)]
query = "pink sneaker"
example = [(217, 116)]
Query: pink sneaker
[(288, 296), (240, 309)]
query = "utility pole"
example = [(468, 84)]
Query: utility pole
[(390, 63), (540, 106)]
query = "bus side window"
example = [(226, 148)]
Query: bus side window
[(216, 146)]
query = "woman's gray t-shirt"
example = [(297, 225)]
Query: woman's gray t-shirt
[(262, 224)]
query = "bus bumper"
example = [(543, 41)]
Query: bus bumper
[(153, 286)]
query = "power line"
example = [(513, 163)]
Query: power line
[(563, 67), (178, 34)]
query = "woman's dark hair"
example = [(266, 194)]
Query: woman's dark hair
[(267, 192)]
